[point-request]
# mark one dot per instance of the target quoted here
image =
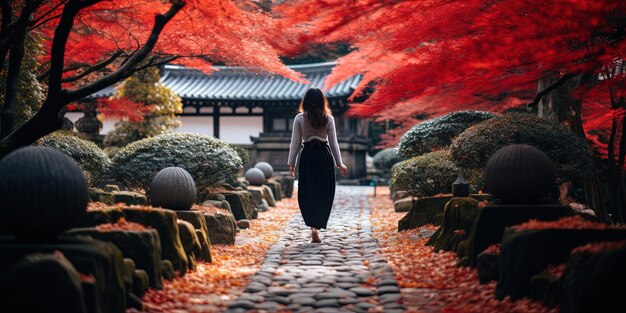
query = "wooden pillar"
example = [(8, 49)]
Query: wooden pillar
[(216, 121)]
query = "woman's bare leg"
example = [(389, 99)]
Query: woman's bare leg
[(315, 236)]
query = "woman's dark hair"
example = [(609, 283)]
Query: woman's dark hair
[(315, 108)]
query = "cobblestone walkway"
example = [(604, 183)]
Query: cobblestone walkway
[(344, 273)]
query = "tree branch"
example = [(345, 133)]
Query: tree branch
[(57, 51), (550, 88), (16, 57), (5, 34), (11, 29), (128, 68), (93, 68), (157, 63), (43, 19)]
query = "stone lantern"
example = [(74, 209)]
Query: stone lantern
[(89, 125), (460, 188)]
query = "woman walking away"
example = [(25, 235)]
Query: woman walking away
[(314, 129)]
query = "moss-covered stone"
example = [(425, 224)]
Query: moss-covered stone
[(430, 210), (400, 194), (526, 253), (196, 218), (494, 218), (164, 221), (129, 269), (93, 218), (222, 204), (222, 227), (423, 212), (44, 283), (488, 266), (275, 187), (143, 247), (190, 242), (141, 282), (403, 205), (545, 288), (102, 260), (286, 183), (210, 196), (259, 196), (458, 219), (241, 204), (595, 282), (269, 196), (130, 198), (99, 195), (204, 253), (111, 188), (168, 270), (132, 299)]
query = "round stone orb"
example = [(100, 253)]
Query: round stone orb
[(42, 193), (266, 168), (173, 188), (520, 174), (255, 176)]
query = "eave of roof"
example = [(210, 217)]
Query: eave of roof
[(234, 84)]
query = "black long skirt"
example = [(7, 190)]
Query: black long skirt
[(316, 183)]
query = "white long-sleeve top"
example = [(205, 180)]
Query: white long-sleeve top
[(304, 131)]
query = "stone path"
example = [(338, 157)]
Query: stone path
[(343, 274)]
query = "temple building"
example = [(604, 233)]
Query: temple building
[(256, 111)]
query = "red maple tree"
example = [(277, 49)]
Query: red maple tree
[(92, 44), (435, 56)]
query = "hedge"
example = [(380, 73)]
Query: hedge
[(570, 153), (210, 161), (94, 162), (430, 174), (438, 132)]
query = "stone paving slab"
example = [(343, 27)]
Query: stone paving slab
[(345, 273)]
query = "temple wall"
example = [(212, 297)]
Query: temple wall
[(233, 129)]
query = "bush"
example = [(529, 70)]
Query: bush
[(430, 174), (386, 158), (438, 132), (93, 161), (210, 161), (571, 154), (242, 153)]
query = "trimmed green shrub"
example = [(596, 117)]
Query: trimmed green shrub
[(386, 158), (430, 174), (93, 161), (571, 154), (438, 132), (210, 161), (242, 153)]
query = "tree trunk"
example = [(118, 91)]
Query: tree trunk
[(560, 106), (9, 111)]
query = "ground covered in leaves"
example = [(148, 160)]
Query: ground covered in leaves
[(429, 281), (213, 285)]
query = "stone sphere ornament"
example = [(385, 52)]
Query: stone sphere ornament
[(255, 176), (520, 174), (42, 193), (266, 168), (173, 188)]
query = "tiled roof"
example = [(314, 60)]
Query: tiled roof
[(237, 84)]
